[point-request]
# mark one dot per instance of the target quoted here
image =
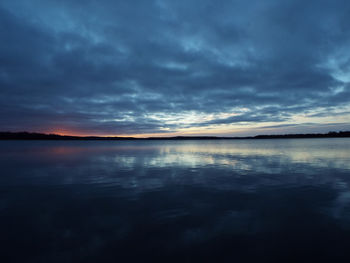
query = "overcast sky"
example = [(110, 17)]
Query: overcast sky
[(171, 67)]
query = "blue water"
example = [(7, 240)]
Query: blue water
[(175, 201)]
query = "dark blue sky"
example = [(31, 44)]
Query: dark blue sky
[(175, 67)]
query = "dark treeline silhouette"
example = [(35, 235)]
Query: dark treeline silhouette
[(42, 136), (331, 134)]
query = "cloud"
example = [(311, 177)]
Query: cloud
[(109, 67)]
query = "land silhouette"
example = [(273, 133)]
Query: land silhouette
[(43, 136)]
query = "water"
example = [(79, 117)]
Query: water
[(175, 201)]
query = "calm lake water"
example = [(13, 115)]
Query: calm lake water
[(175, 201)]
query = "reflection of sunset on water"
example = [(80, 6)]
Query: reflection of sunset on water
[(230, 153), (189, 192)]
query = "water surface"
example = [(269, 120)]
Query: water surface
[(175, 201)]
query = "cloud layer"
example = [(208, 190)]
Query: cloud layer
[(150, 67)]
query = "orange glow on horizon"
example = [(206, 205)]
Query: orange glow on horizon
[(70, 132)]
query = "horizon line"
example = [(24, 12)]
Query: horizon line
[(52, 136)]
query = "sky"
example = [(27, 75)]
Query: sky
[(164, 67)]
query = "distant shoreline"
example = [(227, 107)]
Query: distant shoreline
[(56, 137)]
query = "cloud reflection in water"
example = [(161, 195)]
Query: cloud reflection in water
[(200, 200)]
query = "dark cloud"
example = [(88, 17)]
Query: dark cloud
[(112, 67)]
